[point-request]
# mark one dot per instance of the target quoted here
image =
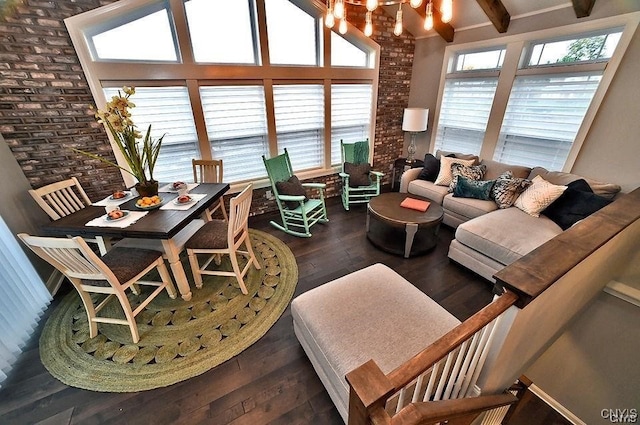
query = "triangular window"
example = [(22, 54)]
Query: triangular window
[(284, 19), (344, 53)]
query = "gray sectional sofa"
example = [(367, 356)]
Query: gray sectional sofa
[(488, 238)]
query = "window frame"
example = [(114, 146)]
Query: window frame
[(514, 65), (193, 74)]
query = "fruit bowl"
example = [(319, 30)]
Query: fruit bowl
[(149, 202)]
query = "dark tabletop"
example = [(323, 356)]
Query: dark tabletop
[(158, 224), (387, 206)]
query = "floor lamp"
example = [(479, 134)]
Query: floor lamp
[(414, 121)]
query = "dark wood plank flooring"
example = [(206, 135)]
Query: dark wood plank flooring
[(272, 382)]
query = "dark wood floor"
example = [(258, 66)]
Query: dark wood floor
[(272, 382)]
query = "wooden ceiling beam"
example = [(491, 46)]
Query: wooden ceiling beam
[(497, 13), (583, 7), (446, 31)]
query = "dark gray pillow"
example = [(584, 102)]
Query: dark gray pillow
[(292, 187), (431, 167), (577, 202), (358, 174)]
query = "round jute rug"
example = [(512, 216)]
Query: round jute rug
[(178, 339)]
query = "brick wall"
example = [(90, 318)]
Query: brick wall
[(45, 99)]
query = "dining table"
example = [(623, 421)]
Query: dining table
[(166, 223)]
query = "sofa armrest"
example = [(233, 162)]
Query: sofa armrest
[(407, 177)]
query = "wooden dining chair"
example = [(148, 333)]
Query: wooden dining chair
[(210, 171), (219, 237), (111, 275), (63, 198)]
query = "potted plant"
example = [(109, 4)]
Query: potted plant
[(141, 156)]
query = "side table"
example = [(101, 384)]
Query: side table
[(400, 165)]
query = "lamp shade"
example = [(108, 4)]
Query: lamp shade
[(415, 119)]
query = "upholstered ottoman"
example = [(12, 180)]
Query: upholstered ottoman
[(373, 313)]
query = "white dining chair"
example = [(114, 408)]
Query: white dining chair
[(210, 171)]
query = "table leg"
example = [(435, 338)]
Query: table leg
[(173, 255), (411, 230), (367, 226)]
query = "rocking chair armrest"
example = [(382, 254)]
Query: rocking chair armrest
[(314, 185), (292, 198), (376, 173), (343, 175)]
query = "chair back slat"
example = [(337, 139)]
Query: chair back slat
[(278, 168), (239, 208), (207, 170), (61, 198)]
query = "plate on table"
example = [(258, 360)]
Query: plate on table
[(127, 194), (151, 203), (126, 214), (187, 201)]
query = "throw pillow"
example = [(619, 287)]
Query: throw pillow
[(576, 203), (430, 169), (538, 196), (507, 188), (292, 187), (469, 188), (445, 175), (473, 172), (358, 174)]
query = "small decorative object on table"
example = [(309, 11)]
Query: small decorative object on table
[(415, 204), (141, 157)]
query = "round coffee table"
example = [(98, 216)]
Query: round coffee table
[(401, 230)]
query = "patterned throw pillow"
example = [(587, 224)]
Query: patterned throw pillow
[(473, 172), (477, 189), (538, 196), (507, 188), (292, 187), (358, 174), (445, 176)]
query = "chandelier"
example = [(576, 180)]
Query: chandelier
[(337, 11)]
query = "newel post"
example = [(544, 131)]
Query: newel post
[(369, 390)]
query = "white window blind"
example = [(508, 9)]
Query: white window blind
[(299, 111), (542, 118), (237, 129), (464, 113), (168, 110), (350, 115)]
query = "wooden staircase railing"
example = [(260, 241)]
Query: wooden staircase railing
[(437, 384)]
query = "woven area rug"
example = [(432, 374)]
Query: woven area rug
[(178, 339)]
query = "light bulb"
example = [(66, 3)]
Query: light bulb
[(415, 3), (397, 29), (371, 5), (329, 20), (428, 21), (343, 26), (446, 8), (338, 9), (368, 26)]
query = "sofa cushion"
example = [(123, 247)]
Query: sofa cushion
[(606, 190), (445, 175), (339, 334), (473, 172), (538, 196), (507, 188), (431, 168), (575, 204), (477, 189), (468, 207), (428, 190), (495, 169), (506, 235)]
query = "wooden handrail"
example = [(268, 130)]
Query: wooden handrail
[(408, 371)]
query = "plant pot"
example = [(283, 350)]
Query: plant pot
[(149, 188)]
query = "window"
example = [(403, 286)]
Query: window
[(473, 61), (168, 111), (299, 113), (588, 48), (212, 22), (148, 38), (283, 20), (237, 129), (350, 115), (215, 98)]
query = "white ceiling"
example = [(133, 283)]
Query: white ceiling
[(468, 14)]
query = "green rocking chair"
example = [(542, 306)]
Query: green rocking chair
[(298, 212), (360, 188)]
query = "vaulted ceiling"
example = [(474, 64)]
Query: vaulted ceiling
[(474, 13)]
